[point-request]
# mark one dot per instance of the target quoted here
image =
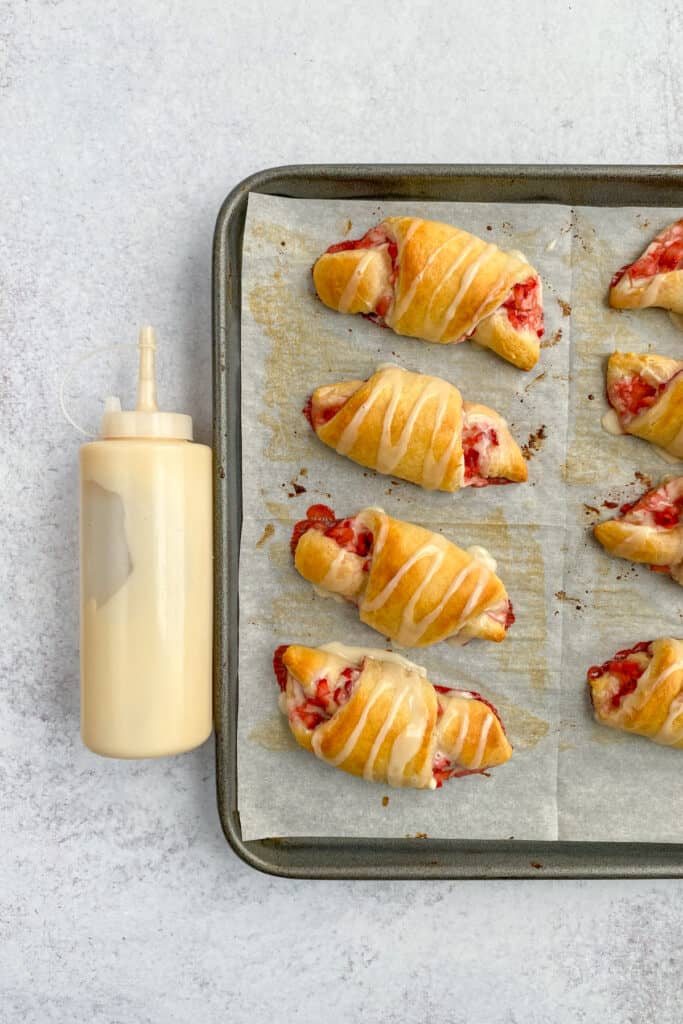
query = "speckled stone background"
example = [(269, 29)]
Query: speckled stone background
[(122, 127)]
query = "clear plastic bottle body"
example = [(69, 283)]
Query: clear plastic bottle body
[(146, 596)]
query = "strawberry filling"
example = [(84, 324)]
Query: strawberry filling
[(661, 257), (320, 415), (625, 671), (477, 439), (279, 667), (442, 768), (632, 394), (523, 307), (375, 238), (347, 533), (328, 698), (664, 511)]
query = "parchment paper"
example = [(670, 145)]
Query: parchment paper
[(571, 609)]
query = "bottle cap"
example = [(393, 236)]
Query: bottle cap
[(146, 420)]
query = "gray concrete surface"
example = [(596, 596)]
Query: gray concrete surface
[(123, 126)]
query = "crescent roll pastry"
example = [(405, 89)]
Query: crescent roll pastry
[(438, 283), (646, 393), (409, 584), (640, 690), (418, 428), (656, 277), (374, 714), (649, 530)]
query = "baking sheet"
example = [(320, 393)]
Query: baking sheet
[(290, 344)]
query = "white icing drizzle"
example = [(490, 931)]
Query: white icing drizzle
[(407, 298), (412, 630), (429, 329), (456, 751), (368, 770), (355, 734), (407, 690), (481, 746), (331, 573), (349, 293), (610, 423), (665, 734), (484, 556), (390, 455), (356, 654), (408, 742), (466, 281)]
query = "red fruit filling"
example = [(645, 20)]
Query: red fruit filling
[(664, 511), (328, 698), (375, 238), (443, 769), (347, 533), (279, 667), (523, 306), (320, 416), (664, 254), (476, 440), (630, 395), (626, 671)]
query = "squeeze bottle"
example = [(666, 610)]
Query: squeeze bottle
[(146, 579)]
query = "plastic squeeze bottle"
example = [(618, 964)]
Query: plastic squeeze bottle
[(146, 579)]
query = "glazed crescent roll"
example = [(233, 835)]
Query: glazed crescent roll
[(656, 277), (408, 583), (438, 283), (418, 428), (646, 394), (374, 714), (649, 530), (640, 690)]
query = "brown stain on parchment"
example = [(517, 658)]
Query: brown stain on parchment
[(291, 242), (297, 326), (517, 550), (268, 532), (597, 331), (273, 734), (524, 729)]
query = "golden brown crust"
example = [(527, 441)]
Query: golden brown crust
[(662, 290), (393, 727), (638, 537), (520, 347), (640, 284), (418, 589), (409, 425), (662, 422), (655, 708), (448, 283), (504, 460), (370, 269), (470, 754)]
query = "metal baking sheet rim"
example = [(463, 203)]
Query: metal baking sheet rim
[(386, 858)]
